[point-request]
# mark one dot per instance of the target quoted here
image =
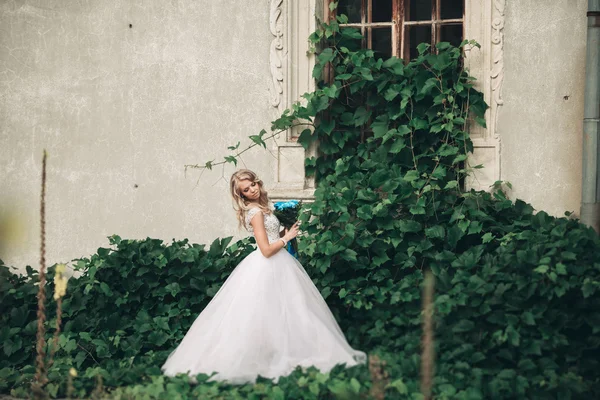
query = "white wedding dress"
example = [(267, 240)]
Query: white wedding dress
[(267, 319)]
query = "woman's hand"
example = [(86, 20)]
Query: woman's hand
[(292, 232)]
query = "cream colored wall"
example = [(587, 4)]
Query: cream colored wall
[(540, 122), (120, 111), (118, 107)]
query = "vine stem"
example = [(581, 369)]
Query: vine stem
[(87, 351), (236, 155), (433, 171), (210, 165)]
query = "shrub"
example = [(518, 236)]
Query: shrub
[(129, 308)]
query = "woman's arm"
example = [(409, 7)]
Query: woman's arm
[(260, 233)]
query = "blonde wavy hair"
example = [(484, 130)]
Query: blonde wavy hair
[(240, 203)]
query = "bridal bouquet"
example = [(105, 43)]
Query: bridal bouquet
[(287, 213)]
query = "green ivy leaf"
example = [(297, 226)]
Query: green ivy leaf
[(380, 127), (361, 116), (488, 237), (447, 150), (349, 255), (355, 385), (233, 147), (258, 139), (411, 175), (435, 232), (399, 385), (326, 56), (429, 85), (231, 159), (459, 158), (343, 77), (542, 269), (397, 146), (463, 326), (527, 318), (327, 126), (391, 94), (331, 91), (451, 185), (395, 65), (105, 289), (409, 226)]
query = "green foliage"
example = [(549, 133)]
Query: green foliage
[(130, 307), (517, 306), (311, 384)]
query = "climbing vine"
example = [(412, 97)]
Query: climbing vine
[(390, 203)]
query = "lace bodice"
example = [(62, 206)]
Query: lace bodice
[(272, 225)]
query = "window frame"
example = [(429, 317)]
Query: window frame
[(399, 24)]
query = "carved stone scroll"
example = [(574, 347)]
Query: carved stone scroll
[(276, 53), (497, 67)]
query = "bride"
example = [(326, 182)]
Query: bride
[(268, 317)]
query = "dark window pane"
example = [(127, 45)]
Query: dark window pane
[(351, 8), (451, 9), (381, 42), (418, 10), (417, 35), (452, 34), (381, 11)]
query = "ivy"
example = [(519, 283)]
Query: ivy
[(133, 303), (517, 291)]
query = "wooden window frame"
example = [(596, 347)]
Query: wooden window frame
[(399, 24)]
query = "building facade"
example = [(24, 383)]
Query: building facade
[(122, 96)]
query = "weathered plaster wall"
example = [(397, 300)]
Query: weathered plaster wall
[(120, 110), (540, 123)]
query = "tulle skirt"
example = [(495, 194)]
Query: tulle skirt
[(267, 319)]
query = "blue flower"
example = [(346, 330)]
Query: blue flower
[(282, 205)]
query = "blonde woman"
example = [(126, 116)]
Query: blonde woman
[(268, 317)]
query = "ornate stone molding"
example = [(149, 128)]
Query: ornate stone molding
[(497, 67), (484, 22), (276, 53), (291, 67)]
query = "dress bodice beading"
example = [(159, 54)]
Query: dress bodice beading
[(272, 225)]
